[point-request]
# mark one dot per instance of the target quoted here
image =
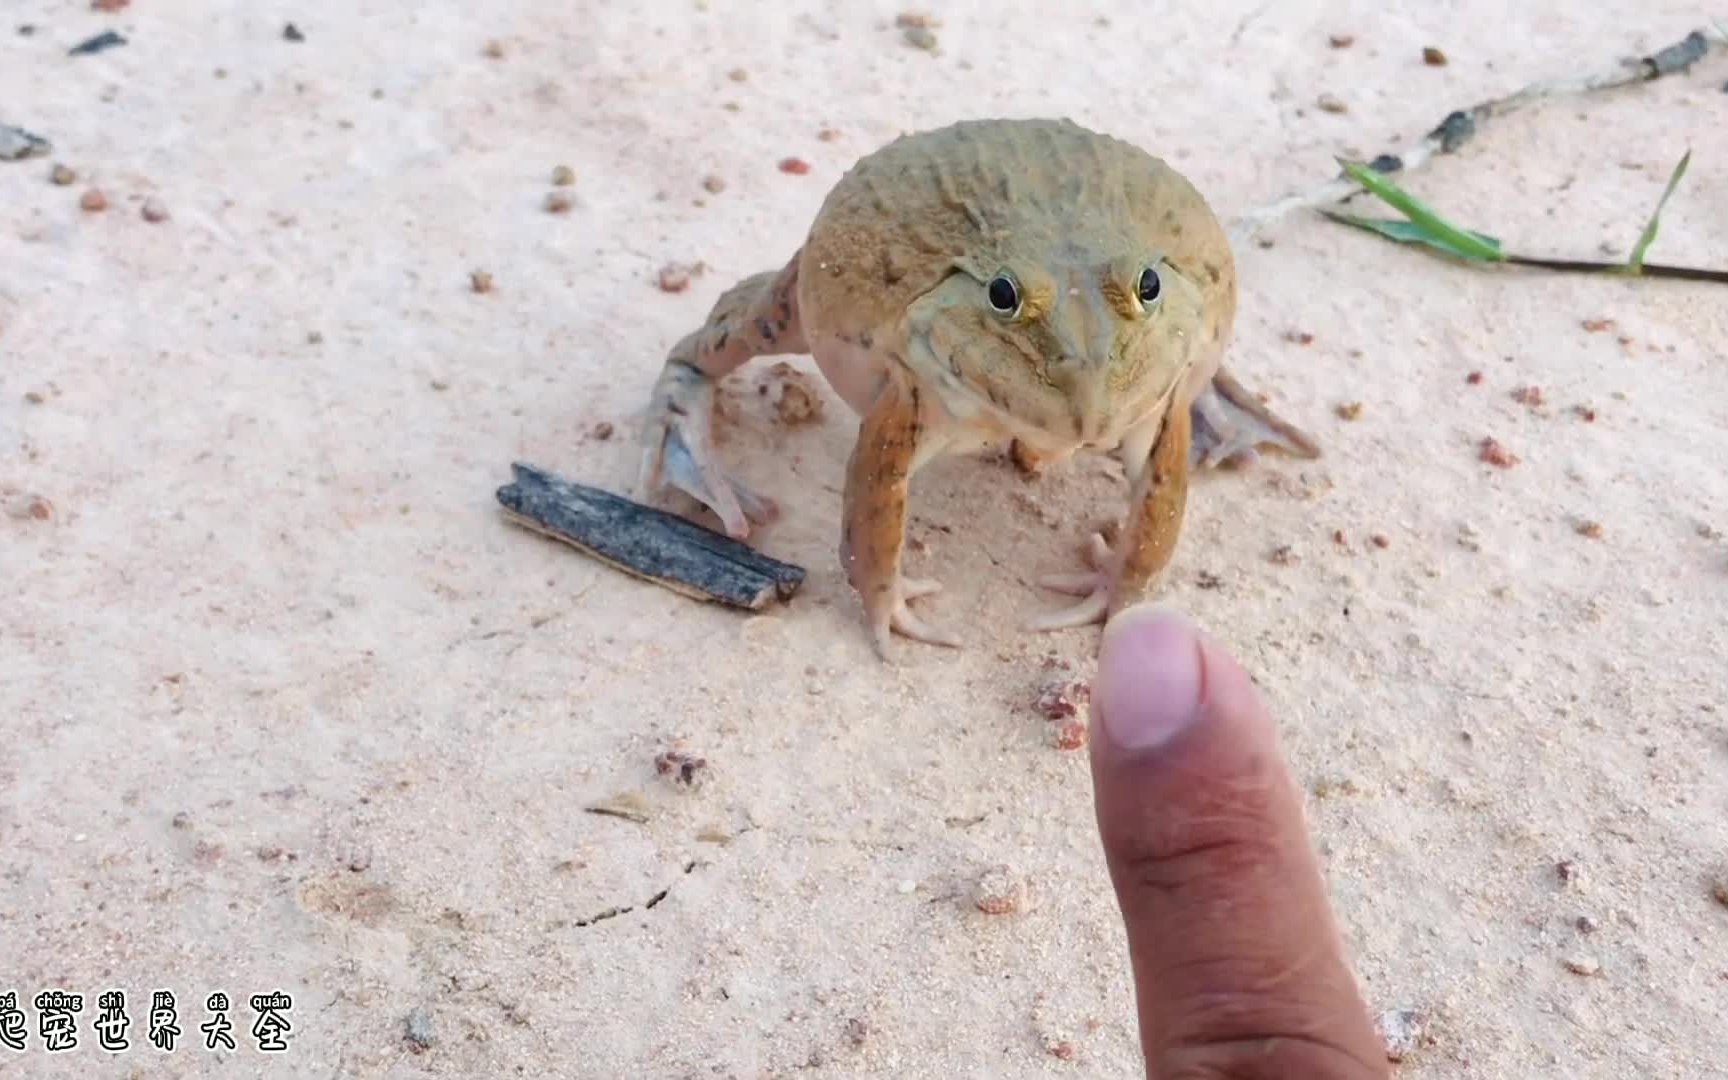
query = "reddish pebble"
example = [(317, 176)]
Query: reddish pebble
[(93, 201), (1071, 734), (795, 166), (1473, 378), (153, 210), (603, 430), (1495, 454), (1061, 698), (675, 277)]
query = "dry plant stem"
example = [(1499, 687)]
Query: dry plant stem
[(1652, 270), (1461, 125)]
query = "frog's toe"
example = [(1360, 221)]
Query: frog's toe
[(913, 588), (1094, 585), (907, 623), (1090, 610), (889, 615), (1231, 426), (703, 480)]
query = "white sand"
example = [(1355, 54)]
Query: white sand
[(287, 705)]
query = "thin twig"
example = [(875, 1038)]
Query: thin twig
[(1683, 273), (1461, 125)]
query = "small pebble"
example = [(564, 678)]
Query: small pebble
[(1587, 925), (1400, 1031), (1528, 395), (999, 891), (1591, 529), (1071, 734), (738, 75), (795, 166), (1597, 326), (713, 184), (30, 507), (563, 176), (493, 50), (680, 767), (62, 175), (920, 37), (418, 1029), (1062, 697), (480, 281), (558, 202), (290, 32), (675, 277), (1495, 454), (1341, 41), (1433, 57), (109, 5), (1381, 540), (153, 211), (35, 397), (1719, 890), (1349, 410), (1473, 378), (603, 430), (1582, 964), (1331, 103), (93, 201)]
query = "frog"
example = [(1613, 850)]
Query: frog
[(1021, 281)]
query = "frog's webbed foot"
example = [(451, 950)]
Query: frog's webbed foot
[(1124, 573), (889, 613), (1231, 425), (678, 450), (1093, 585)]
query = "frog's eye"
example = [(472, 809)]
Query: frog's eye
[(1004, 294), (1149, 286)]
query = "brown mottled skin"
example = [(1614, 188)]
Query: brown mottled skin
[(892, 294)]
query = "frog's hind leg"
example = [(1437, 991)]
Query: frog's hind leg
[(1231, 424), (756, 317)]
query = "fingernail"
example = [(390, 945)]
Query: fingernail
[(1148, 687)]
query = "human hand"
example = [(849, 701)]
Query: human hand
[(1239, 971)]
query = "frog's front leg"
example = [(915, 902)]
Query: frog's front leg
[(756, 317), (893, 441), (1128, 572)]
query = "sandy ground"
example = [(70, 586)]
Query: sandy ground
[(289, 707)]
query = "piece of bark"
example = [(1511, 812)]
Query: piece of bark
[(648, 543)]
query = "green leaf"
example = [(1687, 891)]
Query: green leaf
[(1636, 263), (1462, 241), (1409, 232)]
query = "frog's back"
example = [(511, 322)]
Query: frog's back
[(980, 192)]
